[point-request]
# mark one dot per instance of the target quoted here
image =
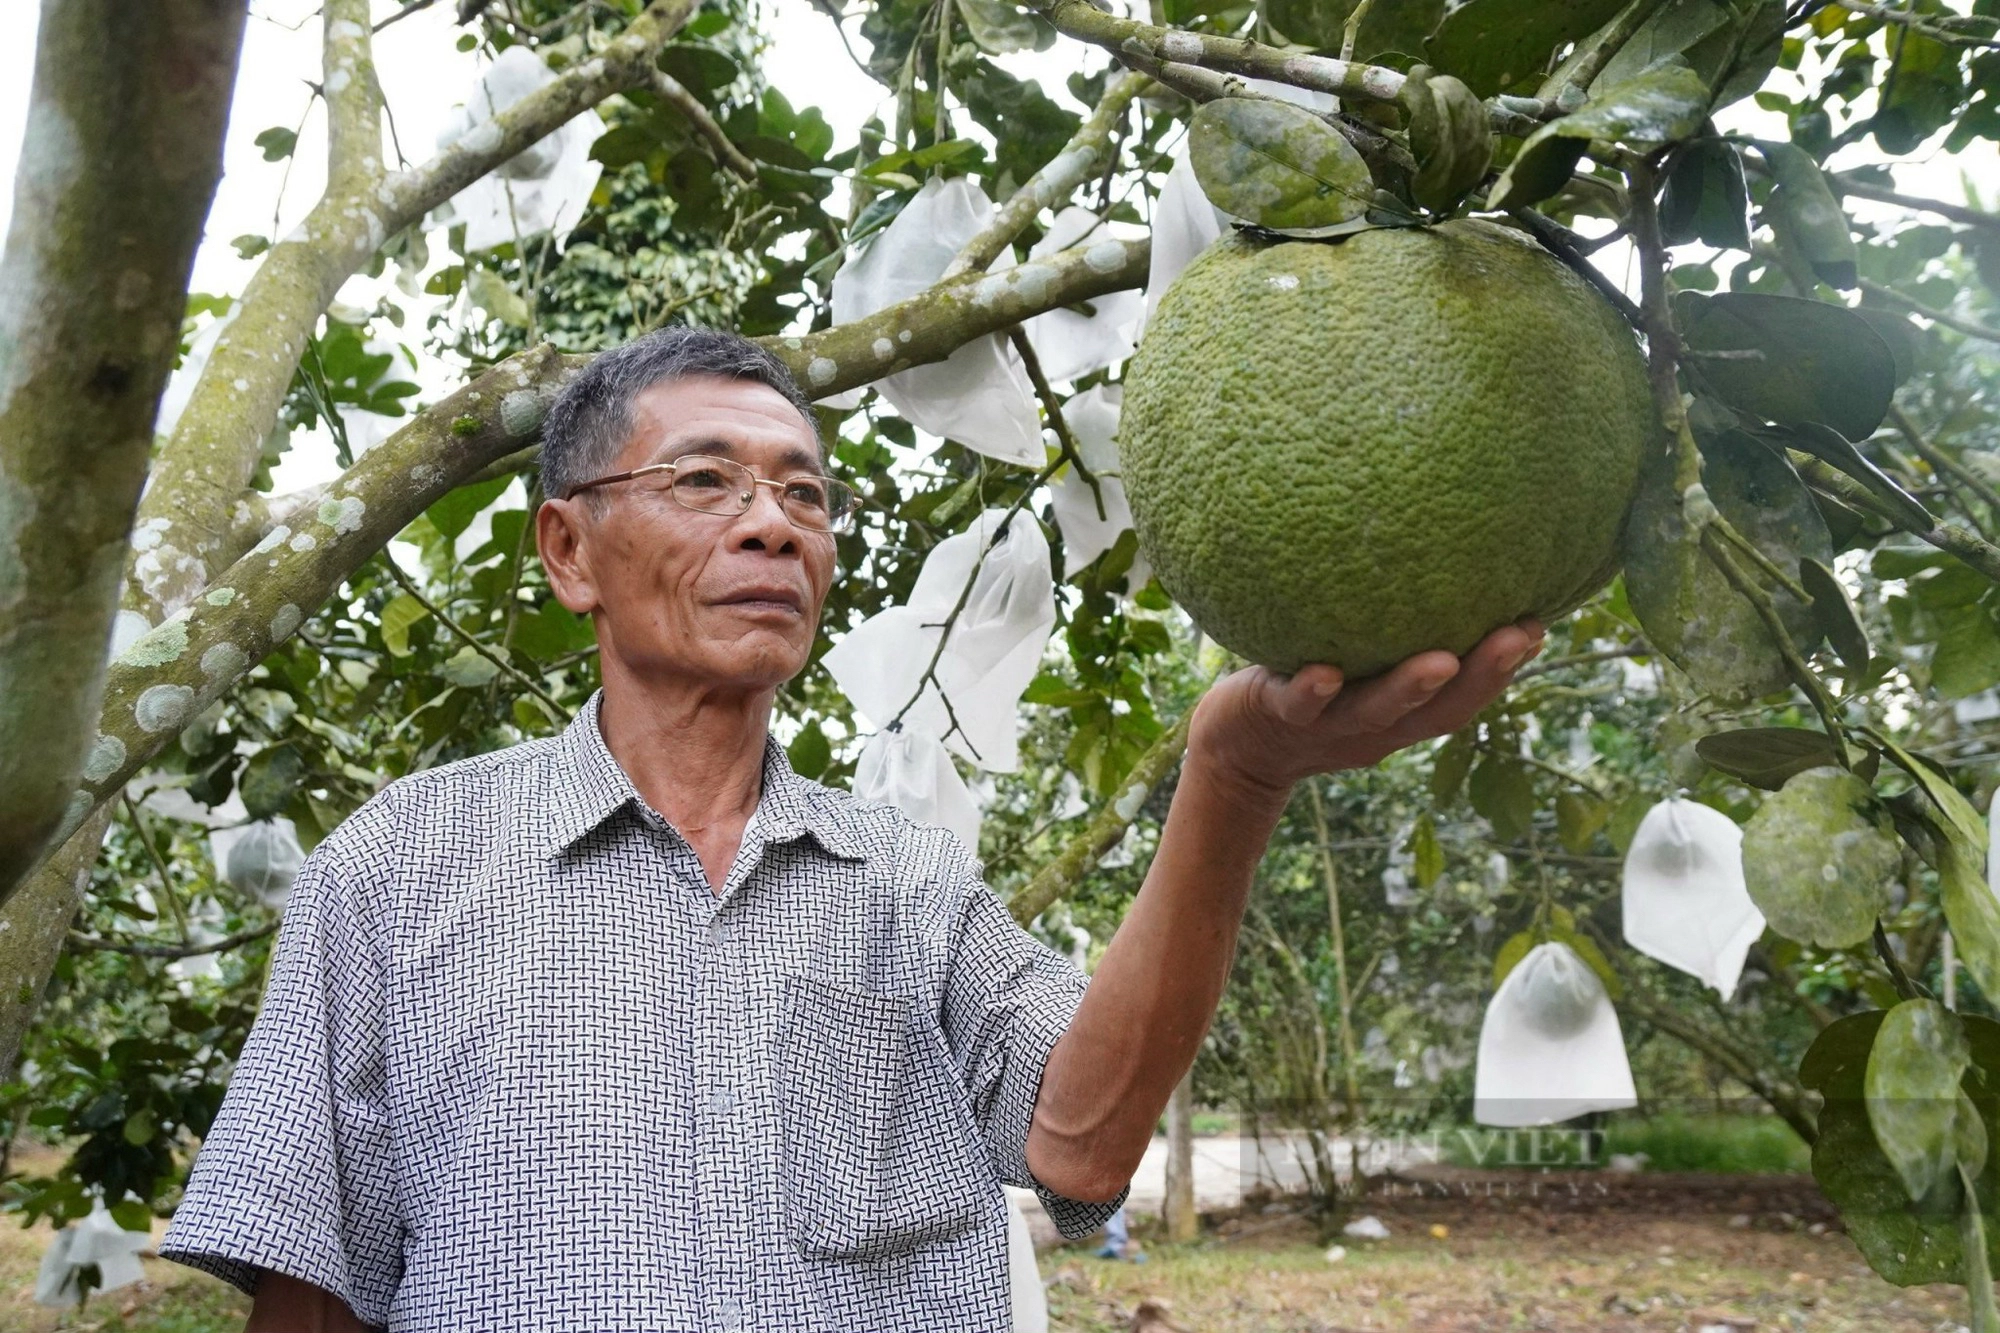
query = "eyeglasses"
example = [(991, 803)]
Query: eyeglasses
[(723, 486)]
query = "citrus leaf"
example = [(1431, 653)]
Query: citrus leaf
[(1510, 955), (1766, 757), (1804, 211), (1427, 856), (1818, 858), (1448, 770), (1925, 1125), (1688, 608), (996, 27), (1956, 849), (469, 669), (1499, 46), (1818, 362), (269, 779), (1907, 1243), (1966, 659), (1658, 106), (402, 612), (1448, 136), (493, 294), (1707, 198), (1500, 791), (454, 511), (1836, 616), (810, 751), (1830, 446), (1389, 25), (1277, 165), (1578, 818)]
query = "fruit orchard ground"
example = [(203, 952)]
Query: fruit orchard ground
[(1686, 1254), (1667, 1253)]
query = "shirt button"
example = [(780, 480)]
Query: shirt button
[(729, 1315), (718, 932), (721, 1101)]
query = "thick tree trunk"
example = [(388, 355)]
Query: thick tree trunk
[(122, 153), (1178, 1212)]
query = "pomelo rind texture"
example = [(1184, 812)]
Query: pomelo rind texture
[(1353, 452)]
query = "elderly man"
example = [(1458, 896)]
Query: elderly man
[(636, 1029)]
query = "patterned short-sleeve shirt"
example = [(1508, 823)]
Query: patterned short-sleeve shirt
[(520, 1068)]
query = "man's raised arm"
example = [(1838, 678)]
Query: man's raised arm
[(1156, 989), (287, 1305)]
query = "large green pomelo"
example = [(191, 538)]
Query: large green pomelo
[(1354, 451)]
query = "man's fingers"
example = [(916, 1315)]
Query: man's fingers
[(1486, 671), (1381, 703), (1302, 697)]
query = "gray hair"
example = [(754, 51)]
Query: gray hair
[(590, 419)]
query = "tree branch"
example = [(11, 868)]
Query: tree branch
[(207, 464), (1861, 189), (1942, 462), (353, 103), (557, 713), (1233, 55), (1080, 160), (134, 949), (200, 652), (123, 151), (675, 94), (1970, 328), (1059, 878), (1947, 537)]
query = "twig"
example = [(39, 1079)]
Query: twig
[(1942, 462), (470, 639), (675, 94), (1906, 986), (1861, 189), (409, 7), (1559, 241), (1938, 27), (1053, 406), (1574, 89), (159, 863), (1970, 328), (1637, 648), (79, 940), (1947, 537)]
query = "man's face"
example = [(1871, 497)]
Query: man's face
[(728, 599)]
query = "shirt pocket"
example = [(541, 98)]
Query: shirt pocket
[(880, 1151)]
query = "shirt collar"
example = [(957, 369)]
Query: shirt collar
[(588, 787)]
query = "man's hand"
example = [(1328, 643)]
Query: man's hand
[(1262, 732)]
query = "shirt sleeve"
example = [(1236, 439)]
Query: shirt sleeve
[(1008, 999), (296, 1174)]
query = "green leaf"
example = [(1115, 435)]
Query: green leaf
[(277, 143), (452, 513), (1448, 135), (1707, 199), (1818, 363), (1625, 820), (269, 779), (402, 612), (1277, 165), (1500, 790), (1388, 26), (133, 1214), (1579, 816), (140, 1127), (1688, 608), (1907, 1243), (1511, 953), (1957, 851), (1425, 851), (1766, 757), (1966, 659), (1836, 616), (1658, 106), (1925, 1124), (1805, 213), (470, 669), (1830, 446), (996, 27), (1448, 769), (250, 245), (810, 751), (496, 296), (1819, 857), (1499, 46)]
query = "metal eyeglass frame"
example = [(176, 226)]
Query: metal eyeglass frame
[(745, 498)]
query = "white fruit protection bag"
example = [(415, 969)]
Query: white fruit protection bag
[(1550, 1048), (546, 187), (979, 395), (1684, 898), (1093, 419), (909, 768), (994, 649)]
